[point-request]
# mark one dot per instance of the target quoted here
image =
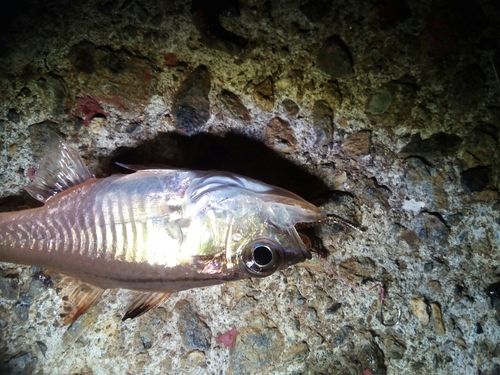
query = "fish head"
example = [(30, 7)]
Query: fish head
[(252, 221), (271, 242), (262, 237)]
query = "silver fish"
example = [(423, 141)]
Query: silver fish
[(156, 231)]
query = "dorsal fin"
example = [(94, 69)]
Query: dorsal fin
[(61, 167), (143, 167), (143, 302)]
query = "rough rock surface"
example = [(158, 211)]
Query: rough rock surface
[(386, 113)]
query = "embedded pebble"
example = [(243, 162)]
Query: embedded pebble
[(195, 332), (437, 145), (291, 108), (264, 94), (475, 179), (279, 135), (334, 308), (191, 104), (437, 318), (233, 106), (357, 144), (9, 286), (379, 102), (323, 122), (334, 58), (420, 309), (357, 266)]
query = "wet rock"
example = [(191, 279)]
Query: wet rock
[(334, 308), (454, 219), (334, 58), (212, 34), (87, 109), (478, 329), (475, 179), (53, 92), (297, 353), (357, 144), (425, 185), (191, 107), (9, 285), (257, 347), (13, 116), (23, 306), (339, 337), (495, 370), (433, 286), (315, 10), (42, 347), (363, 267), (437, 318), (480, 143), (493, 291), (280, 136), (195, 358), (394, 348), (233, 106), (170, 59), (417, 366), (437, 145), (21, 364), (263, 93), (393, 101), (146, 340), (420, 309), (195, 333), (117, 76), (379, 102), (369, 356), (431, 227), (375, 191), (228, 338), (291, 108), (323, 122)]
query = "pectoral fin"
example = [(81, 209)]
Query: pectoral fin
[(143, 302)]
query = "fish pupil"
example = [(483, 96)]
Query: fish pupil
[(262, 255)]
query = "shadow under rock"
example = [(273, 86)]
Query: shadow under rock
[(233, 152)]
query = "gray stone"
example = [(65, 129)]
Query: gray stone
[(195, 332), (191, 106)]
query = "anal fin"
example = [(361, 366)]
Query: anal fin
[(76, 296), (143, 302)]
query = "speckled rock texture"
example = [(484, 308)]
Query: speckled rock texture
[(385, 113)]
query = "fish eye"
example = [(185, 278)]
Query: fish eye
[(262, 257)]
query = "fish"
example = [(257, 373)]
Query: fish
[(154, 232)]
